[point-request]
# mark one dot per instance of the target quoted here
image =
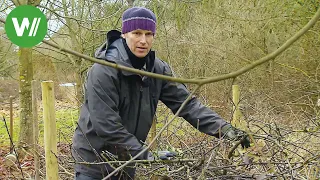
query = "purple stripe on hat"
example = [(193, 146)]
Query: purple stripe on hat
[(138, 23), (146, 18)]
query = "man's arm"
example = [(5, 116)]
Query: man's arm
[(174, 94), (103, 101)]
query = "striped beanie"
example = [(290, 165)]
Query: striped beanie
[(138, 18)]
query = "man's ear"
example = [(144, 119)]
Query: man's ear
[(123, 36)]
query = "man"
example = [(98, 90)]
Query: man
[(119, 105)]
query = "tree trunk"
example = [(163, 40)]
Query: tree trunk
[(77, 61), (271, 44), (26, 75), (26, 2), (79, 83), (25, 92)]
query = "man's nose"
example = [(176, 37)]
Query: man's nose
[(143, 39)]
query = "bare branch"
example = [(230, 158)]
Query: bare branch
[(201, 81)]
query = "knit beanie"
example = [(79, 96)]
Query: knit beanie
[(138, 18)]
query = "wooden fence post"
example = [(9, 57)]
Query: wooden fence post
[(50, 132), (318, 111), (236, 110), (35, 129)]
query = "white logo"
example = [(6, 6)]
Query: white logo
[(25, 25)]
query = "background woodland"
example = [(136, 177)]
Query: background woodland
[(198, 38)]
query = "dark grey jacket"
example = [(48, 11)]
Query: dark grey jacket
[(119, 108)]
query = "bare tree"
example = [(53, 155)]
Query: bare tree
[(25, 78), (202, 39)]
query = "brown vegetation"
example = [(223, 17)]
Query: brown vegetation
[(201, 39)]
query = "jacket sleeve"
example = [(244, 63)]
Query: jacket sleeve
[(103, 101), (174, 94)]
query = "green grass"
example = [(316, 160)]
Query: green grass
[(4, 137), (65, 122)]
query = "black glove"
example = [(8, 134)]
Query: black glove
[(233, 134), (166, 155), (162, 155)]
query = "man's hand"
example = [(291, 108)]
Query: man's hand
[(162, 155), (233, 134), (166, 155)]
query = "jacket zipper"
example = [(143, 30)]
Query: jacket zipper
[(138, 117)]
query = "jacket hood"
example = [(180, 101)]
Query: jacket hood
[(114, 53)]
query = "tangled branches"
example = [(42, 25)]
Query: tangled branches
[(277, 152)]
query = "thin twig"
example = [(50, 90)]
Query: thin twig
[(139, 161), (13, 147)]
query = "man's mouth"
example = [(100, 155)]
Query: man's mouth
[(141, 48)]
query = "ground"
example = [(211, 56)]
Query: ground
[(27, 164)]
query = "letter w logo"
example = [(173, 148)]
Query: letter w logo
[(25, 25)]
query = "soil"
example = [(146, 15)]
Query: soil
[(27, 165), (14, 172)]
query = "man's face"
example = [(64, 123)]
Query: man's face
[(139, 42)]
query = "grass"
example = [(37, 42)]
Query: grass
[(65, 122), (4, 137)]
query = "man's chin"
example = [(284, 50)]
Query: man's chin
[(141, 55)]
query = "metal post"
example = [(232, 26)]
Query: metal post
[(11, 122)]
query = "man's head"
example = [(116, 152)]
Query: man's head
[(138, 28)]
